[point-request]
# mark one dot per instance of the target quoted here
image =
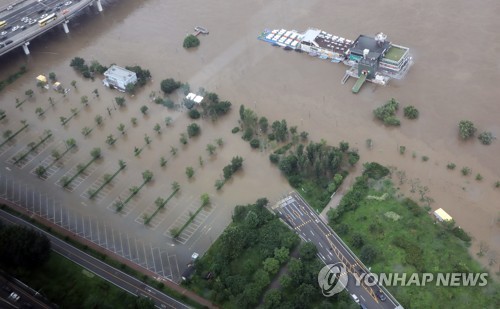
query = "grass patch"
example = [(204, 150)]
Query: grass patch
[(413, 243)]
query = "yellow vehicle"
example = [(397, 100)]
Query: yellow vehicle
[(46, 20), (2, 23)]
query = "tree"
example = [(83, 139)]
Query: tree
[(344, 146), (308, 251), (175, 186), (120, 101), (357, 240), (86, 131), (98, 120), (211, 149), (466, 129), (133, 120), (52, 76), (169, 85), (7, 134), (271, 265), (70, 143), (205, 199), (73, 83), (219, 183), (40, 171), (272, 299), (160, 202), (121, 128), (411, 112), (486, 138), (281, 254), (168, 121), (23, 247), (29, 93), (173, 151), (353, 158), (255, 143), (96, 93), (147, 139), (193, 130), (163, 161), (144, 109), (236, 163), (189, 172), (368, 254), (96, 153), (183, 139), (84, 100), (110, 140), (191, 41), (157, 128), (219, 141), (122, 164), (39, 111), (194, 114), (263, 124), (147, 176)]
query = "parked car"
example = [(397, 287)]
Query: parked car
[(381, 295), (15, 28)]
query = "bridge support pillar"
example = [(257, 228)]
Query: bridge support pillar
[(65, 27), (25, 48), (99, 5)]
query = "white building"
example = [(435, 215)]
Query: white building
[(442, 215), (118, 77)]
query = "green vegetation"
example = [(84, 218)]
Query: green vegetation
[(403, 238), (466, 129), (147, 176), (205, 201), (235, 130), (143, 76), (228, 171), (194, 114), (65, 120), (237, 257), (87, 71), (465, 170), (486, 138), (21, 247), (191, 41), (212, 107), (479, 177), (13, 77), (9, 136), (144, 109), (387, 113), (107, 180), (402, 150), (411, 112), (189, 172), (96, 154), (160, 204), (48, 134), (169, 85), (193, 130), (451, 166)]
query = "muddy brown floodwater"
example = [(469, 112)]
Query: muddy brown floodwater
[(455, 44)]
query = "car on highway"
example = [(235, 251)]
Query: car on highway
[(32, 21), (3, 33), (23, 28), (67, 3), (363, 306), (10, 7), (15, 28), (43, 16), (355, 298), (2, 23), (381, 295)]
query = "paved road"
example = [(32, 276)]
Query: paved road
[(27, 296), (111, 274), (32, 9), (331, 249)]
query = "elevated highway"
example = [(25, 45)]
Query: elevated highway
[(22, 20)]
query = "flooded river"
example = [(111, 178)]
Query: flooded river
[(455, 45)]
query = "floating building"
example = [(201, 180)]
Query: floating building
[(118, 77), (369, 58)]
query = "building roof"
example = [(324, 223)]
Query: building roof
[(119, 73), (327, 41), (375, 47), (442, 215)]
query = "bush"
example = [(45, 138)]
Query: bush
[(411, 112), (466, 171), (235, 130), (191, 41), (486, 138), (248, 134), (451, 166), (193, 130), (255, 143), (169, 85), (402, 149), (194, 114), (374, 170), (392, 121), (466, 129), (274, 158)]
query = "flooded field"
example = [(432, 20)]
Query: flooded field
[(455, 45)]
